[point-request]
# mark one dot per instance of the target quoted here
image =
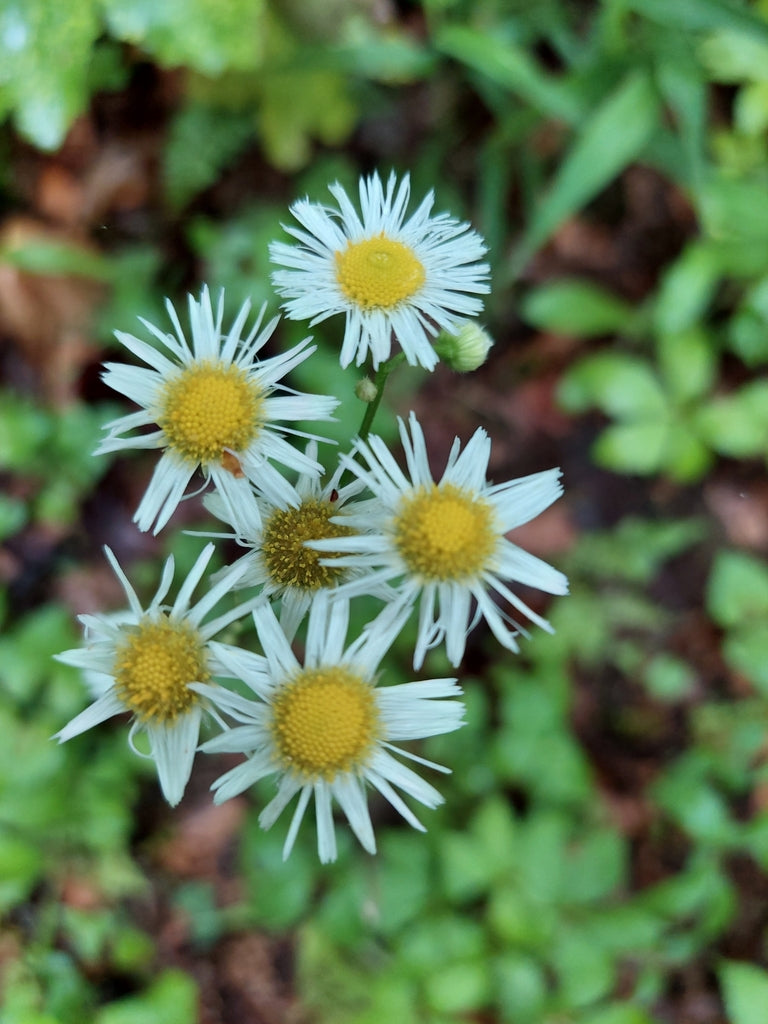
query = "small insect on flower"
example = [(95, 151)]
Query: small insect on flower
[(325, 728), (388, 275), (143, 662), (215, 405), (444, 544)]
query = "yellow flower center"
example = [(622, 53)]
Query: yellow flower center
[(288, 562), (325, 721), (445, 533), (209, 407), (379, 273), (154, 665)]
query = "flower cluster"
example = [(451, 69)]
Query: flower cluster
[(323, 725)]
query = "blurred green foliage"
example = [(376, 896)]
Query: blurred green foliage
[(519, 902)]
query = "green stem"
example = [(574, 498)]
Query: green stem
[(379, 383)]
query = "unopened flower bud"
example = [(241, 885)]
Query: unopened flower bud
[(366, 390), (466, 350)]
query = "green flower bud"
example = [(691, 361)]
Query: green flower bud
[(466, 350)]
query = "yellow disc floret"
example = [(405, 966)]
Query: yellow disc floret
[(154, 665), (445, 533), (208, 408), (288, 562), (379, 273), (324, 721)]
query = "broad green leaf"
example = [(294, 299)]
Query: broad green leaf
[(577, 308), (686, 456), (511, 67), (681, 84), (299, 104), (688, 363), (57, 259), (735, 210), (668, 677), (735, 56), (745, 992), (746, 650), (459, 987), (171, 998), (737, 588), (616, 383), (608, 141), (748, 327), (636, 447), (209, 35), (702, 15), (45, 48), (737, 425), (521, 985), (686, 289), (585, 971), (189, 167)]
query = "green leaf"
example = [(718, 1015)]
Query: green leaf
[(459, 987), (45, 48), (686, 456), (618, 384), (686, 289), (737, 589), (745, 992), (735, 56), (207, 35), (688, 363), (509, 66), (701, 14), (633, 447), (190, 166), (57, 259), (171, 998), (585, 971), (521, 986), (735, 209), (613, 137), (577, 308), (746, 650), (668, 677), (736, 425)]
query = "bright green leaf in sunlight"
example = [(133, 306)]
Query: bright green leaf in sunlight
[(211, 36), (745, 992), (577, 308), (45, 47), (613, 137)]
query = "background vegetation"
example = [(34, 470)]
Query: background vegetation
[(601, 855)]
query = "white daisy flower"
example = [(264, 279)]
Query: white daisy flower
[(325, 728), (276, 533), (389, 275), (445, 542), (143, 661), (215, 407)]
